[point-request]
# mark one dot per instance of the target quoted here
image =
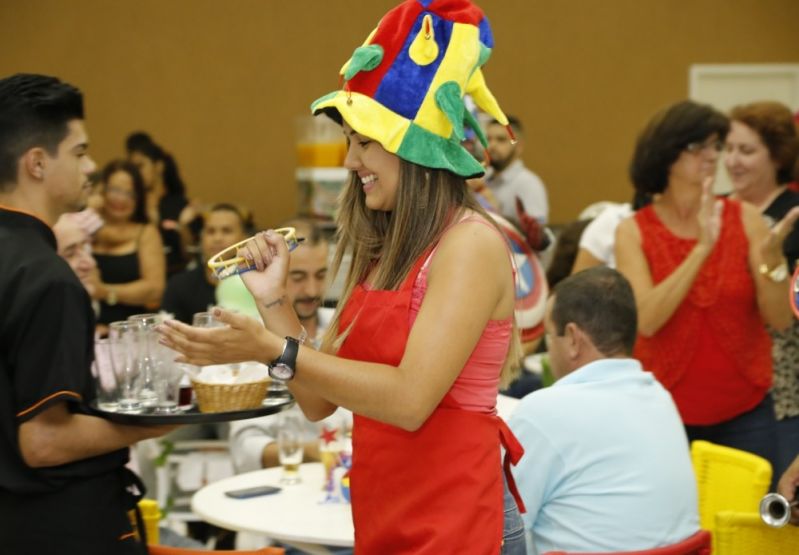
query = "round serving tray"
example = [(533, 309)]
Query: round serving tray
[(191, 414)]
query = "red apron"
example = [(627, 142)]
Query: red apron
[(438, 489)]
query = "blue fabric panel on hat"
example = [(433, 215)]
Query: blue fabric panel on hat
[(406, 84), (425, 3), (486, 36)]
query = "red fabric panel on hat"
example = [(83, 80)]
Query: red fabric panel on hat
[(391, 34), (459, 11)]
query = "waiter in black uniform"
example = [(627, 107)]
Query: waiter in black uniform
[(63, 484)]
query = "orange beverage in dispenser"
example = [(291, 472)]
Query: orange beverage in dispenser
[(321, 155)]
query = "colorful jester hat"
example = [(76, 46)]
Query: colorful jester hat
[(404, 87)]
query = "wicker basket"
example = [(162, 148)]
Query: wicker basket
[(230, 397)]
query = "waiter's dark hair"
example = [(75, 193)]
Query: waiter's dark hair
[(601, 302), (34, 112)]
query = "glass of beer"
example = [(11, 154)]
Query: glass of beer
[(290, 450)]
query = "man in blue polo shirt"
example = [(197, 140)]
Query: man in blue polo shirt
[(606, 464)]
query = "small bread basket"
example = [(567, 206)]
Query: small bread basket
[(213, 397)]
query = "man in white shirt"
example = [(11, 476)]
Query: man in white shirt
[(606, 464), (599, 238), (508, 178)]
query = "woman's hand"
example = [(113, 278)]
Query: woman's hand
[(267, 251), (710, 210), (241, 339), (787, 487), (771, 248)]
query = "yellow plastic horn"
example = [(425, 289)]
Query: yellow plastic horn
[(225, 267)]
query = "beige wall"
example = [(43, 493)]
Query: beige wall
[(219, 82)]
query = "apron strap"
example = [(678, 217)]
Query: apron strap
[(134, 492), (513, 452)]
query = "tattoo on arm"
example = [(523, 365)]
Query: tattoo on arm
[(277, 302)]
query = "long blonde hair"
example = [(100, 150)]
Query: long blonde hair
[(428, 200)]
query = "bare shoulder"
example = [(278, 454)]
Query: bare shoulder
[(475, 237), (628, 230), (150, 233), (475, 245)]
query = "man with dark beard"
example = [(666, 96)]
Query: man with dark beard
[(307, 281), (508, 178)]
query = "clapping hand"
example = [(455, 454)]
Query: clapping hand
[(771, 248), (710, 212), (788, 485)]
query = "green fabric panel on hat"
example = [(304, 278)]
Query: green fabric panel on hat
[(321, 99), (448, 98), (422, 147), (474, 125), (485, 54), (365, 58)]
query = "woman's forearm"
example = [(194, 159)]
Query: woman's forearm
[(657, 305)]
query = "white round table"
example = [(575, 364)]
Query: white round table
[(295, 516)]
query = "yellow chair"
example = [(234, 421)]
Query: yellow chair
[(739, 533), (727, 480)]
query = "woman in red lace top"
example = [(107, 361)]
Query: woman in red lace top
[(707, 276)]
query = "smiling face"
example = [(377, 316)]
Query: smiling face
[(119, 197), (748, 161), (377, 169)]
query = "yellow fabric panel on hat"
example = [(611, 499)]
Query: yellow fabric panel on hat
[(463, 52)]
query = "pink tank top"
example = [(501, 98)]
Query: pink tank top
[(475, 388)]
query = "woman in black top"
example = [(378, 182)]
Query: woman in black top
[(166, 202), (761, 150), (127, 248)]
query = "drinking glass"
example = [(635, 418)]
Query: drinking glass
[(290, 449), (123, 360), (106, 384), (145, 340), (205, 320), (167, 378)]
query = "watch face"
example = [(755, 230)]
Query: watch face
[(281, 371)]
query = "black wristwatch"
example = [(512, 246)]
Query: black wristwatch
[(282, 368)]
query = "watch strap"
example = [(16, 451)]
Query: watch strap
[(289, 355)]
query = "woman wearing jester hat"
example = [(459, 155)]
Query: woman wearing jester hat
[(424, 332)]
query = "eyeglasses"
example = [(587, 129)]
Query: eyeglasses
[(121, 193), (697, 146)]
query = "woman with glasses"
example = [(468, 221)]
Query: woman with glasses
[(760, 152), (707, 275), (127, 248)]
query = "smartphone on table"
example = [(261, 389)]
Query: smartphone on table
[(256, 491)]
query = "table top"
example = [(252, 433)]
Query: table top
[(295, 514)]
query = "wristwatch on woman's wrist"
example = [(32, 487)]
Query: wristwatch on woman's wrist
[(777, 274), (283, 367)]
